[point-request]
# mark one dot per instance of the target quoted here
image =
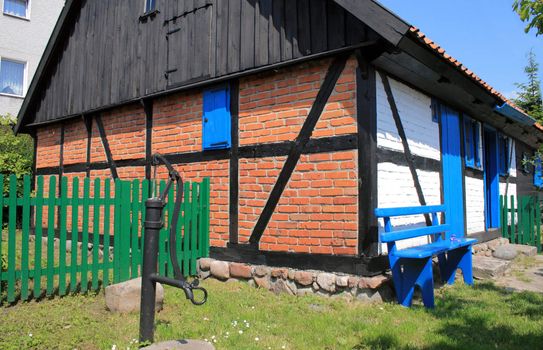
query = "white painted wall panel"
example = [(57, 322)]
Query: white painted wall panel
[(475, 205), (416, 114)]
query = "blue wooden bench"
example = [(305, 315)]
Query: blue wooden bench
[(413, 266)]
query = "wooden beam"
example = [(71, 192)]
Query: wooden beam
[(107, 149), (324, 93), (403, 137), (378, 18), (234, 163), (148, 108), (366, 107)]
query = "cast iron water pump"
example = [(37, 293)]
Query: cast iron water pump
[(154, 221)]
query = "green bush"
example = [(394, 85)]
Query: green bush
[(16, 153)]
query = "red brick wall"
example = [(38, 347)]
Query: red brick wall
[(48, 138), (318, 210)]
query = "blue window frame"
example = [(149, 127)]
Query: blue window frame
[(150, 5), (216, 119), (504, 155), (12, 74), (538, 172), (472, 140), (17, 8)]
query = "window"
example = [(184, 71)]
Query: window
[(472, 142), (216, 119), (504, 154), (538, 172), (17, 8), (12, 74), (149, 5)]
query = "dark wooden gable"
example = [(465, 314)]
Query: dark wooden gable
[(106, 54)]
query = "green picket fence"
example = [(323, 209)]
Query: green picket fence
[(88, 214), (521, 220)]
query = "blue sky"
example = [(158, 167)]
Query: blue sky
[(485, 35)]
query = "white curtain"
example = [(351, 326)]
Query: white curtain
[(11, 77), (15, 7)]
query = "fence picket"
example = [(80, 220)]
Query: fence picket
[(85, 237), (125, 231), (25, 237), (51, 235), (75, 234), (107, 213), (515, 222), (194, 228), (117, 232), (135, 229), (38, 238), (86, 209), (62, 236), (96, 234), (12, 236)]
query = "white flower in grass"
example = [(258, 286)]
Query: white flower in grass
[(30, 335), (207, 341), (214, 340), (113, 347), (257, 338), (240, 331), (227, 333), (284, 347)]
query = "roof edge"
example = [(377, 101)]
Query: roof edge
[(44, 63)]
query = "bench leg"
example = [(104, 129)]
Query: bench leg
[(457, 259), (416, 272)]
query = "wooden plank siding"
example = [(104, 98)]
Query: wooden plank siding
[(110, 55)]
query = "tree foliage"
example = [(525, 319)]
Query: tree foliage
[(530, 11), (16, 152), (529, 94)]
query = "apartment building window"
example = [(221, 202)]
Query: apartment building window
[(149, 6), (12, 76), (18, 8)]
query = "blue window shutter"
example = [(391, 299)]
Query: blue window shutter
[(538, 180), (468, 142), (476, 143), (216, 119)]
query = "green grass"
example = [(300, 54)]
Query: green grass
[(483, 317)]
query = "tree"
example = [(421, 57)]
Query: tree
[(529, 96), (16, 152), (530, 11)]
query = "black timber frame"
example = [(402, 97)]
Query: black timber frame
[(326, 89), (366, 107), (234, 163), (148, 109), (405, 144), (110, 161)]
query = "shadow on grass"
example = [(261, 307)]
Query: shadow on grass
[(483, 318)]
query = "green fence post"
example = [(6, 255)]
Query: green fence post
[(538, 224), (125, 232), (38, 235), (25, 237), (515, 227), (205, 213), (144, 196), (187, 216), (107, 222), (12, 225), (169, 210), (135, 253), (51, 235), (117, 233), (75, 234), (62, 236), (96, 234), (194, 228), (85, 237)]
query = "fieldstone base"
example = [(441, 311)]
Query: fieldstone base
[(125, 297), (300, 282), (181, 345), (489, 268), (487, 248), (525, 249)]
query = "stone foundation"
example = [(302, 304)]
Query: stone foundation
[(487, 248), (301, 282)]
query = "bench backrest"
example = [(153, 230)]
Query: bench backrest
[(390, 235)]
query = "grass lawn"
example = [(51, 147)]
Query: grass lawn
[(240, 317)]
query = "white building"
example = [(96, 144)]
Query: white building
[(25, 28)]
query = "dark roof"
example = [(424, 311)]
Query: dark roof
[(385, 23)]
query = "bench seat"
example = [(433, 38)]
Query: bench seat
[(435, 248)]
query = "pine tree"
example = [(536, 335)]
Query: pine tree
[(529, 95)]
